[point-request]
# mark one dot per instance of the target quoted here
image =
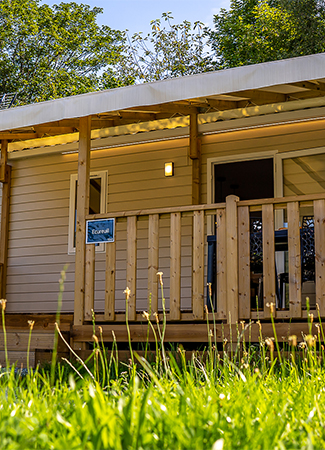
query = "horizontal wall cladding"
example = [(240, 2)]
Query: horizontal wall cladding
[(282, 138), (38, 240), (39, 219)]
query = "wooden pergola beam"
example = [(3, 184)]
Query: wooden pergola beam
[(8, 136)]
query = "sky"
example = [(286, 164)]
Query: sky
[(136, 15)]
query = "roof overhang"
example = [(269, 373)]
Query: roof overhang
[(270, 83)]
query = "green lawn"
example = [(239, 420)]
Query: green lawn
[(247, 402), (265, 396)]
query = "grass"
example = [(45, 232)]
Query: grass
[(194, 407), (250, 397)]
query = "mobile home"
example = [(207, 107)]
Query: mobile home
[(217, 180)]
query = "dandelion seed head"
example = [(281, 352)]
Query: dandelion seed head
[(310, 340), (269, 342), (160, 275), (293, 340), (127, 293), (3, 303)]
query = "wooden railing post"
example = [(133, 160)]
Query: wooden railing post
[(131, 264), (268, 259), (89, 281), (319, 218), (232, 258), (198, 265), (175, 266), (153, 261), (110, 272), (221, 263), (82, 211), (294, 259), (4, 225)]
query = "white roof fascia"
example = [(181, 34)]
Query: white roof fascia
[(189, 87)]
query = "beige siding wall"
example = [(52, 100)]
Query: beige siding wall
[(38, 242)]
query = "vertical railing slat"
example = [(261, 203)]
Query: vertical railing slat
[(319, 221), (268, 259), (110, 271), (244, 263), (131, 264), (89, 281), (198, 265), (175, 266), (232, 258), (153, 261), (294, 256), (221, 263)]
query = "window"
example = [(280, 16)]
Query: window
[(97, 204)]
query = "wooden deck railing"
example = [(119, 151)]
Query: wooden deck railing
[(233, 271)]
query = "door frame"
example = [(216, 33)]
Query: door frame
[(211, 162)]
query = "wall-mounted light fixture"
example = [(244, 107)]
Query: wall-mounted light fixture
[(169, 169)]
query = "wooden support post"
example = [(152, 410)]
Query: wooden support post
[(221, 263), (198, 265), (109, 313), (268, 259), (232, 258), (294, 260), (153, 261), (319, 217), (244, 263), (89, 281), (4, 225), (195, 155), (82, 211), (131, 264), (175, 266), (3, 161)]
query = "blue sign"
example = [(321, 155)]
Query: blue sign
[(101, 230)]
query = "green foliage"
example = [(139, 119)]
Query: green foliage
[(254, 31), (170, 50), (49, 52)]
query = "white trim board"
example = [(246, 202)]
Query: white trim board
[(103, 174)]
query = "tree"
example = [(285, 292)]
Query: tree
[(170, 50), (49, 52), (254, 31)]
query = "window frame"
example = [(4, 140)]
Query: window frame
[(103, 175)]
